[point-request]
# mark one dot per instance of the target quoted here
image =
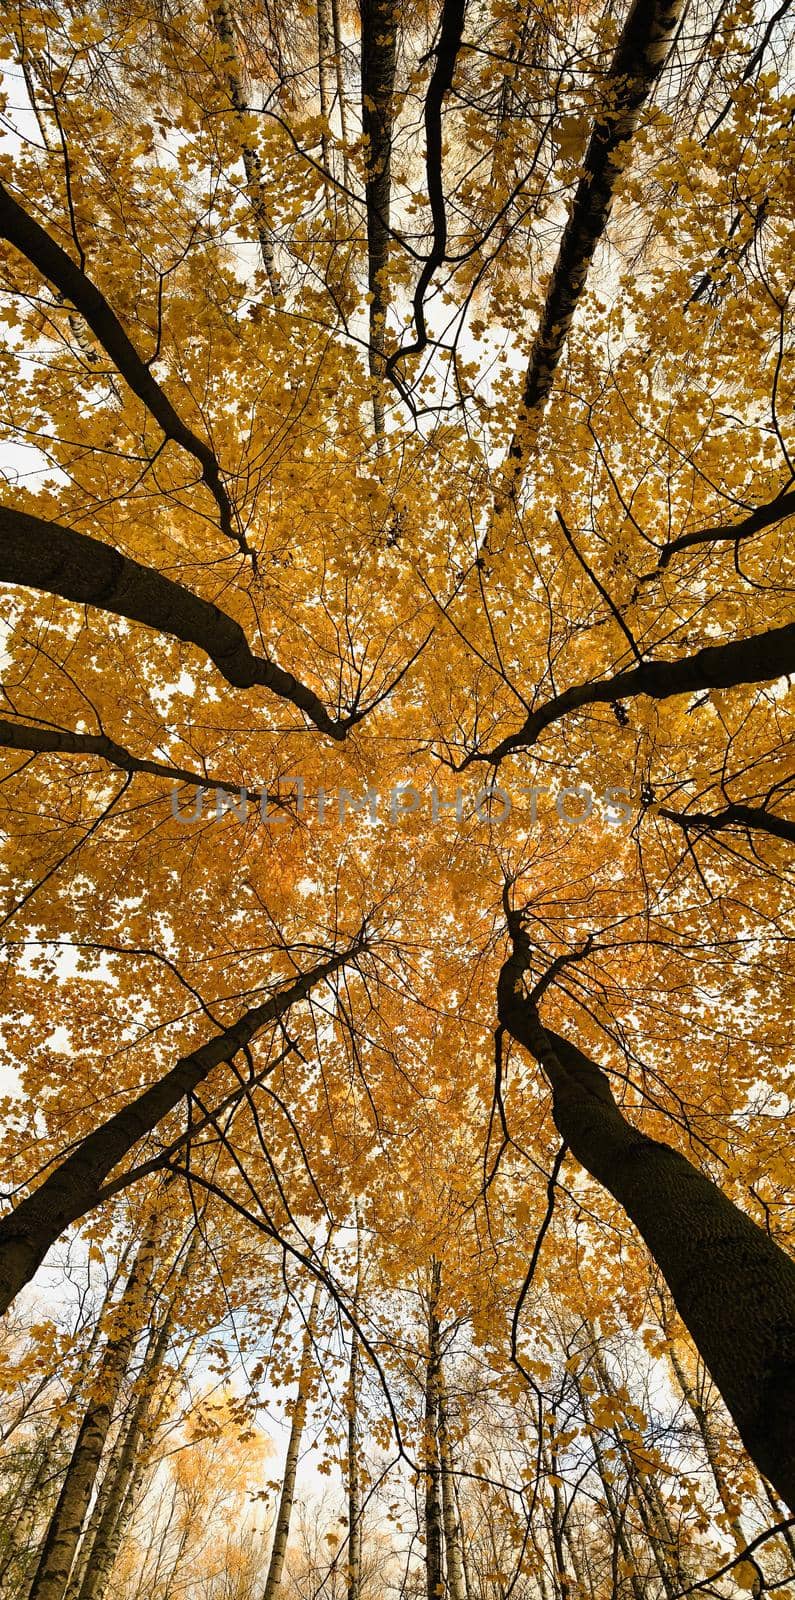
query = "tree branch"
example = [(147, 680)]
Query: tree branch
[(39, 554)]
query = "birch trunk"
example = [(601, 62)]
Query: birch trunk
[(354, 1472), (102, 1544), (456, 1579), (282, 1529), (61, 1540)]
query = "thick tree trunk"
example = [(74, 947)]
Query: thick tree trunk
[(282, 1529), (36, 553), (225, 29), (72, 1189), (456, 1580), (379, 61), (732, 1286), (434, 1562), (60, 1543), (758, 659)]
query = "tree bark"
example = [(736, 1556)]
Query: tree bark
[(456, 1580), (60, 1543), (282, 1529), (102, 1542), (36, 553), (732, 1286), (635, 68), (72, 1189), (354, 1470), (758, 659), (434, 1563), (46, 255), (34, 1488)]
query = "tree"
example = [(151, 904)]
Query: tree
[(397, 792)]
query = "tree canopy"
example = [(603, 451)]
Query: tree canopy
[(398, 798)]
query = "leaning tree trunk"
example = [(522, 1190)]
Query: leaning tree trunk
[(282, 1529), (74, 1187), (102, 1545), (35, 1485), (60, 1543), (732, 1286)]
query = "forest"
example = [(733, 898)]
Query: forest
[(397, 800)]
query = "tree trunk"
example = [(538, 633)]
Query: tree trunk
[(379, 61), (354, 1472), (434, 1568), (732, 1286), (73, 1188), (456, 1580), (635, 68), (225, 29), (102, 1542), (761, 658), (338, 67), (42, 1471), (37, 553), (282, 1529), (61, 1540)]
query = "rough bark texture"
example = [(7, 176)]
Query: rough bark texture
[(456, 1581), (434, 1555), (758, 659), (103, 1539), (282, 1529), (225, 29), (36, 1488), (635, 68), (38, 554), (732, 1286), (60, 1543), (46, 255), (379, 61), (71, 1190)]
